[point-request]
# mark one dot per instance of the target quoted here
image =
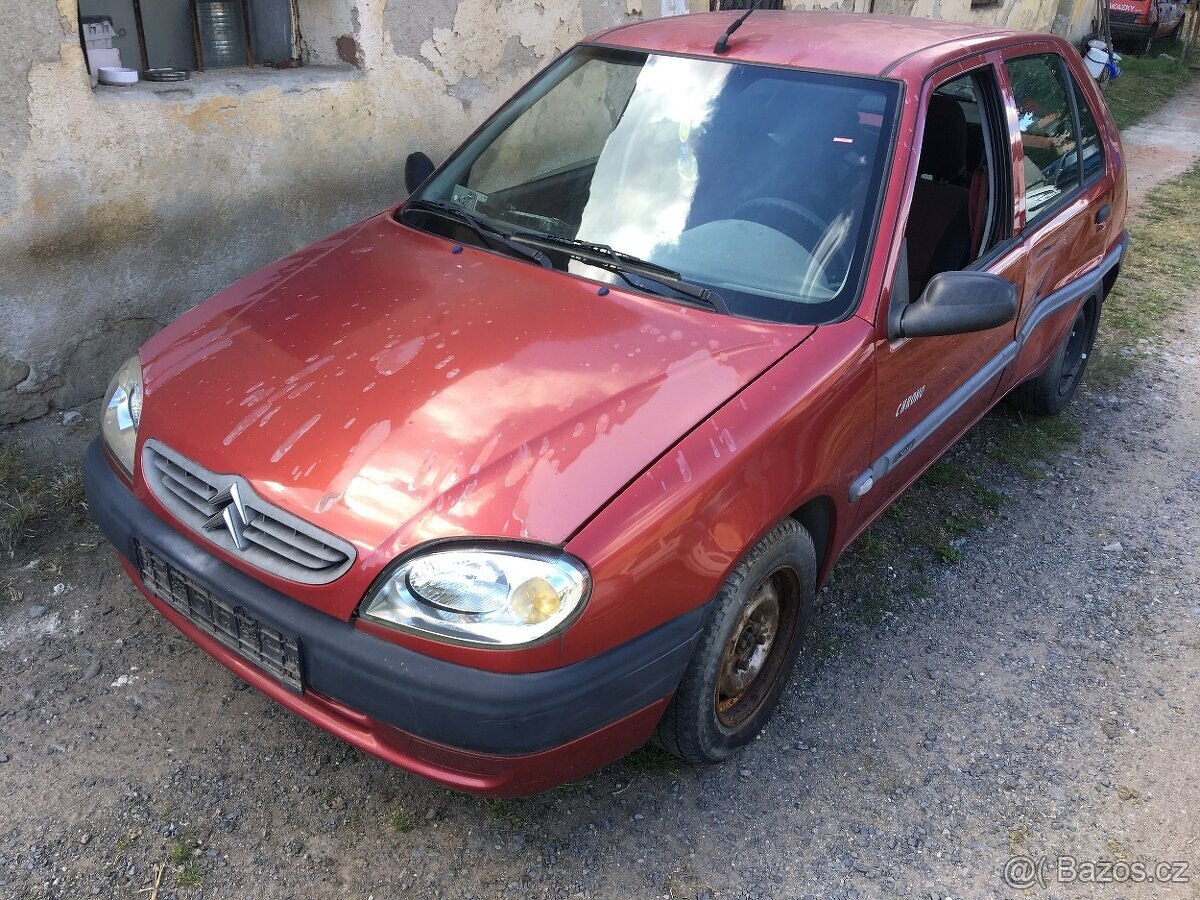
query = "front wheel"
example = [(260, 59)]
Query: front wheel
[(747, 650), (1051, 391)]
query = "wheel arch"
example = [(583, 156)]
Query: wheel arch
[(818, 516)]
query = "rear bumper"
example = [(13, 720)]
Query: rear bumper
[(483, 732)]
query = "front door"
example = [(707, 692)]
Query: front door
[(931, 389)]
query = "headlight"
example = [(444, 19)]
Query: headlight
[(122, 412), (479, 594)]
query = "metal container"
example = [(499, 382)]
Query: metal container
[(222, 29)]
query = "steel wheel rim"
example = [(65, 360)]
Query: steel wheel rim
[(755, 652), (1076, 352)]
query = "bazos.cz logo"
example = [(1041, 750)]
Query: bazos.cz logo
[(1024, 872)]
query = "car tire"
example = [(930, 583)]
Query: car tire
[(1051, 391), (752, 636)]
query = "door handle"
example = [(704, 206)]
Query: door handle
[(1103, 213)]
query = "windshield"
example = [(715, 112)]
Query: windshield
[(757, 182)]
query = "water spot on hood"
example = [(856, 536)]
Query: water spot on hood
[(399, 356), (684, 469), (727, 440), (370, 441), (295, 436), (482, 458), (522, 465), (309, 369), (254, 416)]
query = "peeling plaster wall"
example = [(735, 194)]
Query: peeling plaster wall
[(1071, 19), (121, 208)]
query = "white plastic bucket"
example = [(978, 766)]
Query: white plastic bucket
[(1097, 60)]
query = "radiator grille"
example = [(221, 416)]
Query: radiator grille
[(1122, 18), (225, 510), (276, 654)]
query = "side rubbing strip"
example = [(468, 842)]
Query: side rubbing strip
[(1063, 297)]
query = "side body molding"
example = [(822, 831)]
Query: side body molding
[(1065, 296)]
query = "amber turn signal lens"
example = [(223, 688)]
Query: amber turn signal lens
[(535, 601)]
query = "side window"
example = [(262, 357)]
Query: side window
[(961, 202), (1047, 131), (1089, 139)]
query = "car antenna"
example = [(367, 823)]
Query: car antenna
[(722, 45)]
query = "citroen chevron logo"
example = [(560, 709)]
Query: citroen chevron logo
[(233, 516)]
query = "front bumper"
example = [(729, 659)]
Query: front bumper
[(483, 732)]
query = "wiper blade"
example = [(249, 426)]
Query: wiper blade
[(493, 237), (626, 264)]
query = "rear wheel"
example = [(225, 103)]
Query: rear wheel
[(747, 650), (1051, 391)]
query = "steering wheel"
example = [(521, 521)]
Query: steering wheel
[(799, 223)]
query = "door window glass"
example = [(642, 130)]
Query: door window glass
[(1089, 139), (955, 216), (1047, 131)]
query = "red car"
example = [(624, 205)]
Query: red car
[(552, 458), (1139, 22)]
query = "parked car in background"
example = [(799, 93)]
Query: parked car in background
[(1139, 22), (552, 458)]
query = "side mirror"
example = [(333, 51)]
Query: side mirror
[(959, 302), (417, 168)]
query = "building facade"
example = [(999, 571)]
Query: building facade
[(122, 207)]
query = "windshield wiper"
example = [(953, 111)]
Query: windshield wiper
[(625, 264), (493, 237)]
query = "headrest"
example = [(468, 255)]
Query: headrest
[(944, 147)]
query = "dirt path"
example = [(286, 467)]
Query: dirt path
[(1162, 145), (1041, 700)]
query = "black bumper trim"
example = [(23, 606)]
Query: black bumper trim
[(465, 708)]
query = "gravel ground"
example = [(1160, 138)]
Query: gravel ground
[(1040, 698)]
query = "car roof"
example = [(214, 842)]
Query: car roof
[(856, 43)]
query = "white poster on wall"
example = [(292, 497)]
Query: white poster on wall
[(674, 7)]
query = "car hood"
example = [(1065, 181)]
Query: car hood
[(392, 388)]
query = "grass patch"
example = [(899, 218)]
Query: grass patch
[(1147, 83), (1160, 271), (1021, 442), (649, 761), (402, 820), (188, 877), (506, 812), (27, 500), (179, 852)]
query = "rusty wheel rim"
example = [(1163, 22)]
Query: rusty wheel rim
[(757, 647)]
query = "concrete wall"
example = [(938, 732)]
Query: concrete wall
[(122, 207)]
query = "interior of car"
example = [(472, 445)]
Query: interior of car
[(948, 221)]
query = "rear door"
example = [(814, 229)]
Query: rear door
[(1064, 202)]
